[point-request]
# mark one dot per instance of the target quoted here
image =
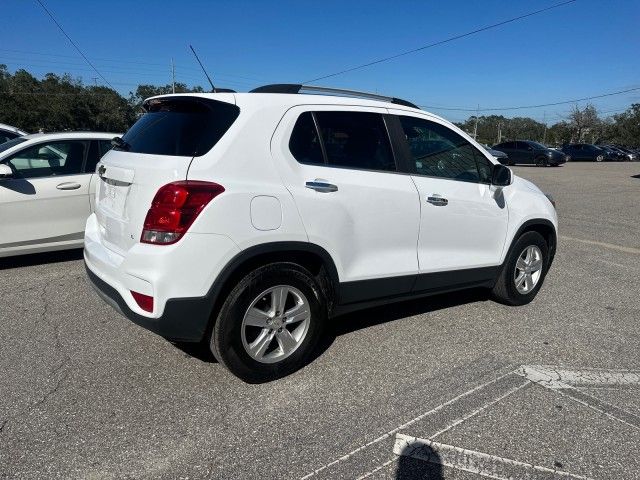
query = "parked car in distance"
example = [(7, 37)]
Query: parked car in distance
[(612, 154), (586, 152), (629, 154), (502, 157), (7, 132), (249, 219), (527, 152), (47, 182)]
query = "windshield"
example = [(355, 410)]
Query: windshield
[(179, 126), (537, 145), (11, 143)]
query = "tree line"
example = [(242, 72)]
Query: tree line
[(582, 125), (61, 102)]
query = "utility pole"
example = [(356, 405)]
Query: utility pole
[(499, 132), (544, 138), (173, 76), (95, 81), (475, 127)]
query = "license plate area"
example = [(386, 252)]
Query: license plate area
[(112, 196)]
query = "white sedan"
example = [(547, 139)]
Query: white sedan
[(47, 185)]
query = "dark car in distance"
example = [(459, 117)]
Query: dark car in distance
[(585, 152), (502, 157), (612, 153), (527, 152)]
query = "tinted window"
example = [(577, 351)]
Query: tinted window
[(523, 146), (105, 146), (304, 143), (356, 140), (506, 145), (49, 159), (6, 136), (96, 151), (183, 127), (11, 143), (441, 152)]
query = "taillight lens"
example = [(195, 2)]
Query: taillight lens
[(174, 208)]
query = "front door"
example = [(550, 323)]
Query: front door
[(463, 223)]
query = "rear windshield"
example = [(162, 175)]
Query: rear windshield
[(184, 127)]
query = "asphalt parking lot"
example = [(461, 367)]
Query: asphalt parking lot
[(455, 386)]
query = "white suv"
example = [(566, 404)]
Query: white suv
[(248, 219)]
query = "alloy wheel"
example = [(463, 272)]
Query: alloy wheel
[(275, 324), (528, 269)]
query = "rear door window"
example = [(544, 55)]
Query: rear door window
[(186, 127), (356, 140)]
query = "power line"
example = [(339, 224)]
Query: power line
[(73, 43), (522, 107), (440, 42)]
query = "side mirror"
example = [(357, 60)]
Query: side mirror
[(501, 176), (5, 171)]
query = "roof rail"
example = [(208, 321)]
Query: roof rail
[(297, 88)]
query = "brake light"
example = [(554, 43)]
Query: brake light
[(145, 302), (174, 208)]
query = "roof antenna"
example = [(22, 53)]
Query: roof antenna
[(213, 89)]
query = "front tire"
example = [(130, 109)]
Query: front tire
[(524, 270), (541, 162), (270, 323)]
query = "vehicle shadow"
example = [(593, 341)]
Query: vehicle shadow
[(362, 319), (427, 467), (635, 176), (44, 258)]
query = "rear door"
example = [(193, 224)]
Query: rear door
[(510, 149), (338, 164), (463, 225), (47, 200), (157, 150)]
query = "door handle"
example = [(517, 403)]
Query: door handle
[(437, 200), (68, 186), (321, 186)]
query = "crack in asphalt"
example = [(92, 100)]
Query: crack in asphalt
[(57, 344)]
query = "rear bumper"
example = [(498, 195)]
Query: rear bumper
[(179, 277), (183, 319)]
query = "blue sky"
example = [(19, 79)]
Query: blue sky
[(585, 48)]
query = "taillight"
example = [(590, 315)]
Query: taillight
[(174, 208)]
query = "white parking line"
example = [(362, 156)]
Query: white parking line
[(558, 377), (490, 466), (405, 425), (611, 246)]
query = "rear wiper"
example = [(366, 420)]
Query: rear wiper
[(120, 144)]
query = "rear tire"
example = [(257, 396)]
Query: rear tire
[(252, 335), (512, 288)]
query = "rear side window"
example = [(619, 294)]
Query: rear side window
[(440, 152), (304, 143), (180, 126)]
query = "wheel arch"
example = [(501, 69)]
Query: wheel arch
[(545, 228), (312, 257)]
